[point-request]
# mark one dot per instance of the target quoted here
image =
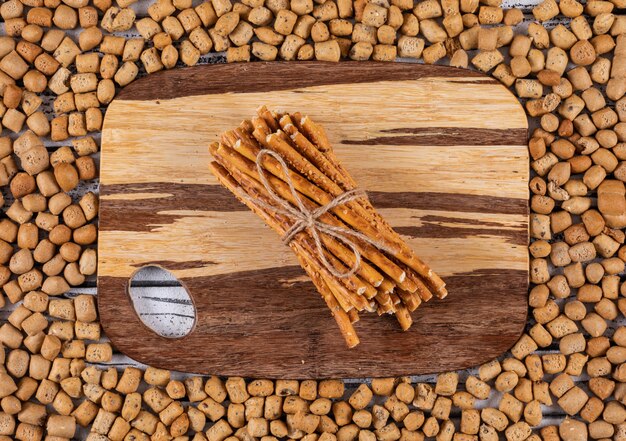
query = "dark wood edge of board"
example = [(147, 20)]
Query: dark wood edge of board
[(124, 338), (261, 77)]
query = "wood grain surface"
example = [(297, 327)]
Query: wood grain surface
[(442, 155)]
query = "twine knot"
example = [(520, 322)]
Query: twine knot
[(305, 219)]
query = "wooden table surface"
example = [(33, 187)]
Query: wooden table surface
[(164, 305)]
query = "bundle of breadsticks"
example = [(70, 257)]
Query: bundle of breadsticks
[(284, 169)]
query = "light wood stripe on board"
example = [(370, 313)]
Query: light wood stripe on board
[(231, 241)]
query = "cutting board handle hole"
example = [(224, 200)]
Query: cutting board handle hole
[(161, 302)]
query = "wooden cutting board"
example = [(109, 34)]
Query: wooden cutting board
[(442, 153)]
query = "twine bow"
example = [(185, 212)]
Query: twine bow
[(305, 219)]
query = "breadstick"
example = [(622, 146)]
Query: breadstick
[(342, 318)]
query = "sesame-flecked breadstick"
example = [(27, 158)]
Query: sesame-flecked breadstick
[(282, 166)]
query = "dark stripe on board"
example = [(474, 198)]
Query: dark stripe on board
[(435, 231), (464, 203), (445, 219), (433, 227), (265, 77), (147, 214), (446, 136), (182, 196)]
